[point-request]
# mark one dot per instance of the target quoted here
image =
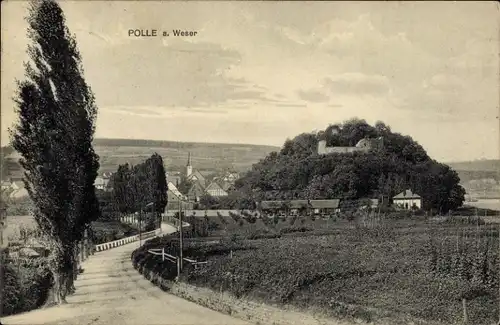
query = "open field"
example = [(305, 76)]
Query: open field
[(391, 270)]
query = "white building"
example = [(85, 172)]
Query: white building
[(407, 199)]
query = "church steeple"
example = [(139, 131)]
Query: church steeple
[(189, 168)]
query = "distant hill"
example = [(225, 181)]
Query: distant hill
[(206, 157), (481, 178), (487, 165), (477, 169)]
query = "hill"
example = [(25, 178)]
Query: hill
[(481, 178), (486, 165), (362, 161), (208, 157)]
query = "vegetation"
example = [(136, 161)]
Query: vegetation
[(104, 232), (54, 137), (297, 171), (26, 286), (135, 187), (27, 281), (398, 270)]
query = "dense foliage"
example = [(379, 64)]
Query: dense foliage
[(25, 286), (134, 187), (54, 137), (297, 171), (104, 232)]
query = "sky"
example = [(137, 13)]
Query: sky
[(262, 72)]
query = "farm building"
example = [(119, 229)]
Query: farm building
[(305, 206), (325, 206), (407, 200)]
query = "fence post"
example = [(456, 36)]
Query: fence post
[(163, 254), (464, 307)]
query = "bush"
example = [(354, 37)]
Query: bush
[(12, 291), (288, 230), (25, 287), (103, 232), (464, 220)]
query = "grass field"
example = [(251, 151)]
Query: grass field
[(399, 270)]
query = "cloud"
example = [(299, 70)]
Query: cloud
[(180, 73), (291, 105), (136, 111), (444, 82), (358, 84), (313, 96)]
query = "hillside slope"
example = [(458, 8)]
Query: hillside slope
[(204, 156), (487, 165)]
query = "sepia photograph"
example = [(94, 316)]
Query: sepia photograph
[(250, 162)]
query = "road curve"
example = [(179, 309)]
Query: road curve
[(111, 291)]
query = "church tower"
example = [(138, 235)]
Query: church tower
[(189, 168)]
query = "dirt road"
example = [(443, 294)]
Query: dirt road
[(112, 292)]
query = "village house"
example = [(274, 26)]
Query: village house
[(215, 190), (175, 197), (323, 207), (407, 200), (230, 177), (100, 183)]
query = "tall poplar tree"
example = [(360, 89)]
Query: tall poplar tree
[(54, 137)]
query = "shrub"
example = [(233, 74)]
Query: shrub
[(288, 230), (26, 286), (103, 232), (12, 291)]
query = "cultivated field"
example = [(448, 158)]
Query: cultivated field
[(395, 270), (206, 157)]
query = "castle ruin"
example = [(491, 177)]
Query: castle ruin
[(363, 145)]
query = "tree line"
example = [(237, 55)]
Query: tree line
[(140, 188)]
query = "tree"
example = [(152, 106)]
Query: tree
[(184, 185), (136, 187), (120, 182), (157, 182), (208, 202), (54, 138)]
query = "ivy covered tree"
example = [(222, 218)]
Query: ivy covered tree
[(54, 138)]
